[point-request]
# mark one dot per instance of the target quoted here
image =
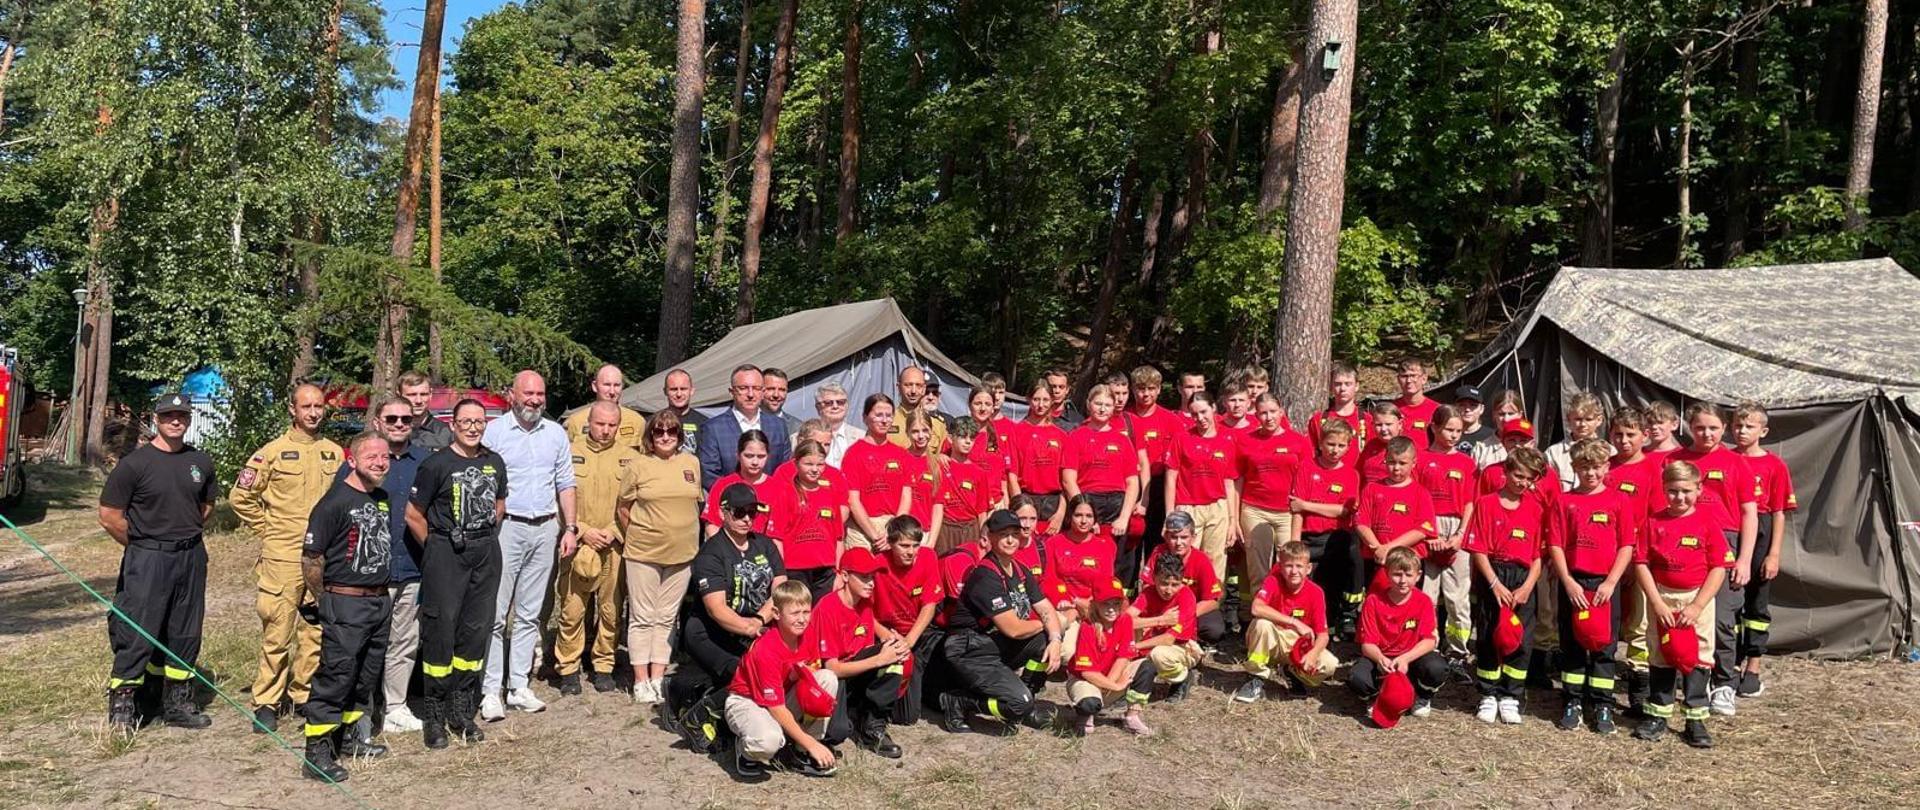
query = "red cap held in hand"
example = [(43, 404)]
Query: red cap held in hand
[(1395, 698), (1508, 632)]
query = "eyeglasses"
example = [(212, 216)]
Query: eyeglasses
[(833, 403), (469, 423), (396, 419)]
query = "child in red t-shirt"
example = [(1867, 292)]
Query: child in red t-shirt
[(1590, 536), (868, 657), (1104, 665), (1774, 498), (1447, 474), (1397, 634), (1387, 423), (1416, 409), (907, 592), (1197, 574), (1164, 617), (1343, 391), (1727, 497), (967, 489), (1680, 564), (1505, 538), (1394, 512), (1324, 495), (1287, 607), (1080, 559), (1636, 475), (1663, 429), (763, 701)]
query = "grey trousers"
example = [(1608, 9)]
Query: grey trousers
[(526, 568), (403, 642)]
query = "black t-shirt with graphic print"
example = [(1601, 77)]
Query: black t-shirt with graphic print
[(352, 532), (161, 491), (745, 576), (990, 592), (457, 493)]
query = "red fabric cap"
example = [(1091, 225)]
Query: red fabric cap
[(1680, 645), (1108, 589), (1298, 655), (1395, 698), (1523, 427), (858, 560), (1136, 526), (1593, 627), (1508, 632), (814, 701)]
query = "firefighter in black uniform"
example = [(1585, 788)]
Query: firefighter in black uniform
[(1001, 623), (346, 560), (459, 496), (154, 505)]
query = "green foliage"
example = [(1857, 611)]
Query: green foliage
[(1378, 298)]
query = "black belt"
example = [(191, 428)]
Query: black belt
[(357, 590), (534, 521), (152, 544)]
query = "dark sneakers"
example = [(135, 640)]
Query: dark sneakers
[(1750, 685), (570, 683), (747, 769), (265, 719), (122, 715), (1651, 730), (1696, 734), (1570, 716), (793, 759), (1179, 691), (1603, 719), (180, 710), (604, 684)]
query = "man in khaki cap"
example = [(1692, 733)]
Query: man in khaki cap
[(273, 495), (592, 575)]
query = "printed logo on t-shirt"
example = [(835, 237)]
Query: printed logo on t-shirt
[(1113, 448), (1689, 541), (194, 473), (1628, 487), (1716, 475), (826, 513)]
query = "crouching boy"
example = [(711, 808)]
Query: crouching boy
[(764, 701), (1397, 634), (1104, 665), (868, 658), (1287, 609)]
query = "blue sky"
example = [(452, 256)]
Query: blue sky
[(403, 28)]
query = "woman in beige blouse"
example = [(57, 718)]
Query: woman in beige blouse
[(658, 517)]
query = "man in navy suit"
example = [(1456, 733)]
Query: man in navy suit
[(720, 436)]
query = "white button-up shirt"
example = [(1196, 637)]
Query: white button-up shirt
[(539, 464)]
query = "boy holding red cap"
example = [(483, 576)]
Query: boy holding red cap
[(1104, 664), (1398, 635), (763, 701), (1680, 563), (907, 590), (1505, 538), (1165, 617), (1287, 609), (1590, 544), (1209, 623), (869, 658)]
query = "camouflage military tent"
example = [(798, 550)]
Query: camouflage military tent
[(1832, 350), (862, 345)]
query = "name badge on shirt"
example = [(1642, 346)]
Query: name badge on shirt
[(826, 513), (1053, 443), (1716, 475), (1336, 489), (1400, 508), (1628, 487), (1453, 475), (966, 485), (1418, 425), (1518, 534), (1412, 624), (290, 455), (579, 459), (1598, 517), (893, 465), (1219, 455), (860, 630), (1153, 434), (1087, 562), (1113, 448), (915, 591), (1299, 613), (926, 476), (1689, 541)]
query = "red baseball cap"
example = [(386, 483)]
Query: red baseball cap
[(1395, 698), (1520, 426), (814, 701), (1301, 647), (858, 560), (1108, 589), (1593, 627), (1508, 632), (1680, 645)]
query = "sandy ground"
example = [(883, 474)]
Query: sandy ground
[(1826, 734)]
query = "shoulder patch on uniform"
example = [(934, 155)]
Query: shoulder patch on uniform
[(687, 474), (289, 455), (247, 478), (326, 455)]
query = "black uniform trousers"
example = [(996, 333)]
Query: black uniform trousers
[(1756, 615), (353, 658), (1496, 676), (1131, 551), (1336, 569), (1728, 608), (457, 593), (989, 668), (1587, 674), (926, 663), (1663, 681), (1428, 673), (867, 700), (163, 589), (819, 580), (714, 655)]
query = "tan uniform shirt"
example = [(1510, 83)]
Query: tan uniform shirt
[(596, 478), (632, 433), (898, 435), (663, 522), (275, 493)]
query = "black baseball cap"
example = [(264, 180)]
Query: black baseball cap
[(172, 403), (738, 496), (1002, 520), (1468, 392)]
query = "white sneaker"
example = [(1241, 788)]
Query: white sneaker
[(524, 700), (1422, 707), (1510, 711), (1720, 701), (645, 692), (399, 720), (491, 709), (1489, 707)]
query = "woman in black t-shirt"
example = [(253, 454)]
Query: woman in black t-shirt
[(1001, 622)]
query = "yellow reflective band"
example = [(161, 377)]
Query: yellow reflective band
[(1697, 713), (1356, 598), (436, 670), (154, 669), (1515, 673), (1602, 684), (1174, 674), (1574, 678), (1136, 697), (895, 669), (1662, 710), (1757, 626), (993, 708), (1036, 666), (321, 729), (1462, 633), (1638, 654), (352, 716), (177, 674), (1486, 674), (466, 664), (1260, 658), (708, 730), (116, 683)]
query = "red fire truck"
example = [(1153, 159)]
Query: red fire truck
[(14, 399)]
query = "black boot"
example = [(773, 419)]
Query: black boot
[(433, 723), (1652, 730), (954, 710), (1179, 691), (122, 716), (180, 710), (874, 737), (320, 763), (1637, 689), (1035, 680), (1696, 734), (265, 719), (148, 701), (461, 706), (570, 683), (604, 683), (351, 741)]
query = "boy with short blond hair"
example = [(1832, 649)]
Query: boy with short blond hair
[(763, 702), (1387, 424), (1287, 607), (1398, 633), (1590, 537), (1324, 495), (1774, 498), (1505, 539)]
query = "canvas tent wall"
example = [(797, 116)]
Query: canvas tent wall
[(1832, 350), (862, 345)]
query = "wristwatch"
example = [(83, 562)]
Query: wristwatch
[(574, 529)]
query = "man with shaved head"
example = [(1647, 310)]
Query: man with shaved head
[(608, 384), (540, 503), (272, 496), (912, 384), (590, 579), (678, 389)]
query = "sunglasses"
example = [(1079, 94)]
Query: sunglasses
[(392, 419), (743, 512), (664, 432)]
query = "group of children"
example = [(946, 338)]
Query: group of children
[(1433, 541)]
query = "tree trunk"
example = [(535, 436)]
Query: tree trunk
[(325, 76), (1683, 220), (1192, 207), (763, 144), (850, 128), (6, 56), (1596, 248), (683, 185), (723, 207), (99, 328), (436, 356), (391, 341), (1109, 281), (1746, 58), (1866, 113), (1283, 132), (1303, 330), (1149, 259)]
